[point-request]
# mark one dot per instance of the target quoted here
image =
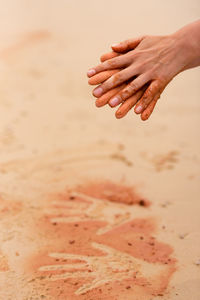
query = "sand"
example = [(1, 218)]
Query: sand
[(92, 207)]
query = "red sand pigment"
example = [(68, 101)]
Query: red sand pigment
[(75, 262), (113, 192)]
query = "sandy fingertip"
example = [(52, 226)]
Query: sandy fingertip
[(138, 109), (119, 114)]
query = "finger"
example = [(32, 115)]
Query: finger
[(154, 89), (114, 81), (103, 100), (128, 104), (130, 89), (101, 77), (113, 63), (150, 108), (127, 45), (108, 55)]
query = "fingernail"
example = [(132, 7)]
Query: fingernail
[(138, 109), (91, 72), (114, 101), (98, 92)]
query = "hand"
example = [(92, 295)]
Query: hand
[(148, 62), (105, 99)]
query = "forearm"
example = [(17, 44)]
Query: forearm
[(188, 38)]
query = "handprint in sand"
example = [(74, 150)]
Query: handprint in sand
[(113, 266), (80, 206)]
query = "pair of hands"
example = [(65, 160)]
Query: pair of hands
[(136, 72)]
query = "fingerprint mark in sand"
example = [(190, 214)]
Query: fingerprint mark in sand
[(97, 246)]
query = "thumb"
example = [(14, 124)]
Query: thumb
[(127, 45)]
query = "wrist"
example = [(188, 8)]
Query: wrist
[(188, 41)]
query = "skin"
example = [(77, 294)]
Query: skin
[(145, 65), (105, 98)]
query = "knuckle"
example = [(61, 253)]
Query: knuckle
[(148, 96), (160, 86), (163, 81), (133, 87), (112, 63), (129, 90), (125, 94), (103, 66), (144, 103), (149, 93), (116, 79), (160, 74)]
